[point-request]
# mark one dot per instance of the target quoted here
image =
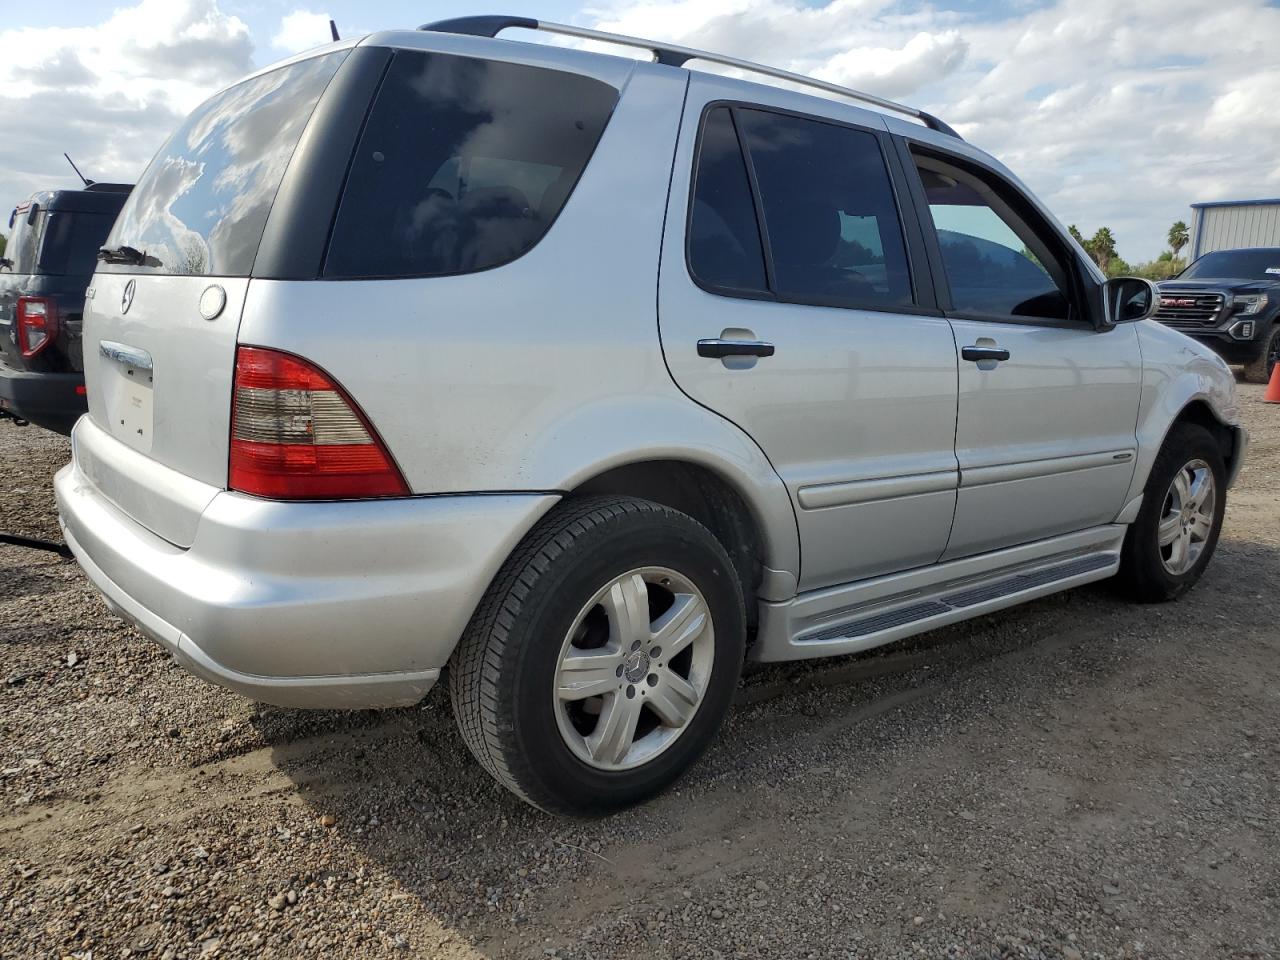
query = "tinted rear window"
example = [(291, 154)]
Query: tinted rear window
[(201, 206), (71, 241), (463, 165), (829, 209), (724, 238)]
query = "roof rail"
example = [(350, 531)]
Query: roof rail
[(675, 56)]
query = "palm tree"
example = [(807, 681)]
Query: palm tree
[(1178, 237), (1103, 247)]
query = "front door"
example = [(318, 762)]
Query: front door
[(1047, 403), (787, 304)]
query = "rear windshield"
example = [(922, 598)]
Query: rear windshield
[(201, 206), (71, 241), (463, 165)]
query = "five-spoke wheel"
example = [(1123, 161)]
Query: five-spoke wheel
[(604, 657), (633, 668), (1169, 545), (1187, 519)]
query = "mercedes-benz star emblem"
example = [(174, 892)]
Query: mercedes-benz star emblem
[(126, 301)]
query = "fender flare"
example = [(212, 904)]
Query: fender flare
[(637, 428)]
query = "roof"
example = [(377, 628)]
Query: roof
[(1235, 203), (671, 55)]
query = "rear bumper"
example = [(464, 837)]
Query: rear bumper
[(333, 605), (48, 400)]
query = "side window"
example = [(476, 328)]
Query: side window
[(830, 216), (724, 239), (996, 265), (24, 240), (463, 165)]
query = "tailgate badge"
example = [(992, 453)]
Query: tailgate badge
[(126, 300), (212, 302)]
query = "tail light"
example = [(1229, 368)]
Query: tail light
[(295, 435), (37, 324)]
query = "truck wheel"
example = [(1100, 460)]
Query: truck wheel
[(1259, 371), (1171, 542), (604, 657)]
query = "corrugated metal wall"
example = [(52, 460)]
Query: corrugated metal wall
[(1235, 226)]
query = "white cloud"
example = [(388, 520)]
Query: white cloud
[(110, 93), (302, 30), (1116, 114)]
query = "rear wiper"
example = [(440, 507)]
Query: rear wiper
[(6, 263), (125, 254)]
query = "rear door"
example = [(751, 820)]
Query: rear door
[(1048, 404), (789, 304), (162, 314)]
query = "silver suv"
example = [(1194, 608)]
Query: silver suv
[(586, 378)]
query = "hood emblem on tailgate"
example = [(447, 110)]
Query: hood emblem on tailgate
[(126, 299)]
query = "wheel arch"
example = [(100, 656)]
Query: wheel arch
[(708, 497), (672, 451), (1201, 410)]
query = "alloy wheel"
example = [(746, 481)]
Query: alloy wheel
[(1186, 520), (634, 668)]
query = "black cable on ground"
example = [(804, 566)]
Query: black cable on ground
[(61, 549)]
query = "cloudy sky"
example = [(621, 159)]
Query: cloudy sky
[(1116, 112)]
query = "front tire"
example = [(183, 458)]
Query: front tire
[(604, 657), (1259, 371), (1168, 547)]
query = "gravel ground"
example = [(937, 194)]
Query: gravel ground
[(1076, 778)]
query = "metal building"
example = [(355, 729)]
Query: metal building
[(1231, 224)]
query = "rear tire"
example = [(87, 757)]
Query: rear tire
[(1259, 371), (556, 685), (1168, 547)]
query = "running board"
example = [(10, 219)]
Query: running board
[(860, 616)]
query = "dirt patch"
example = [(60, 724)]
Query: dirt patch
[(1074, 778)]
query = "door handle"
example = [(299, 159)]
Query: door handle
[(734, 348), (984, 353)]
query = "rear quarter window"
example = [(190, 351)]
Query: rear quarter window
[(202, 204), (463, 165)]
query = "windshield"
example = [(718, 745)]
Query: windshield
[(201, 206), (1263, 264)]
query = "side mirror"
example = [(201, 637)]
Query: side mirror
[(1126, 299)]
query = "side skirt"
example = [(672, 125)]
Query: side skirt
[(859, 616)]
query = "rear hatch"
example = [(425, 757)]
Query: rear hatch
[(162, 314), (26, 221), (55, 240)]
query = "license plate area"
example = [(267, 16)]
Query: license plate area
[(127, 388)]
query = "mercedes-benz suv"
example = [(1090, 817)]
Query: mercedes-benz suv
[(584, 379)]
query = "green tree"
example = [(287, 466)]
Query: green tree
[(3, 243), (1102, 247), (1178, 238), (1117, 267), (1075, 235)]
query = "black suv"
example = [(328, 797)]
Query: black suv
[(52, 250), (1230, 300)]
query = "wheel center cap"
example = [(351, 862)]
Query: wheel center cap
[(636, 666)]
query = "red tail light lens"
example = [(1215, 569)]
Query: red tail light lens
[(295, 435), (37, 324)]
